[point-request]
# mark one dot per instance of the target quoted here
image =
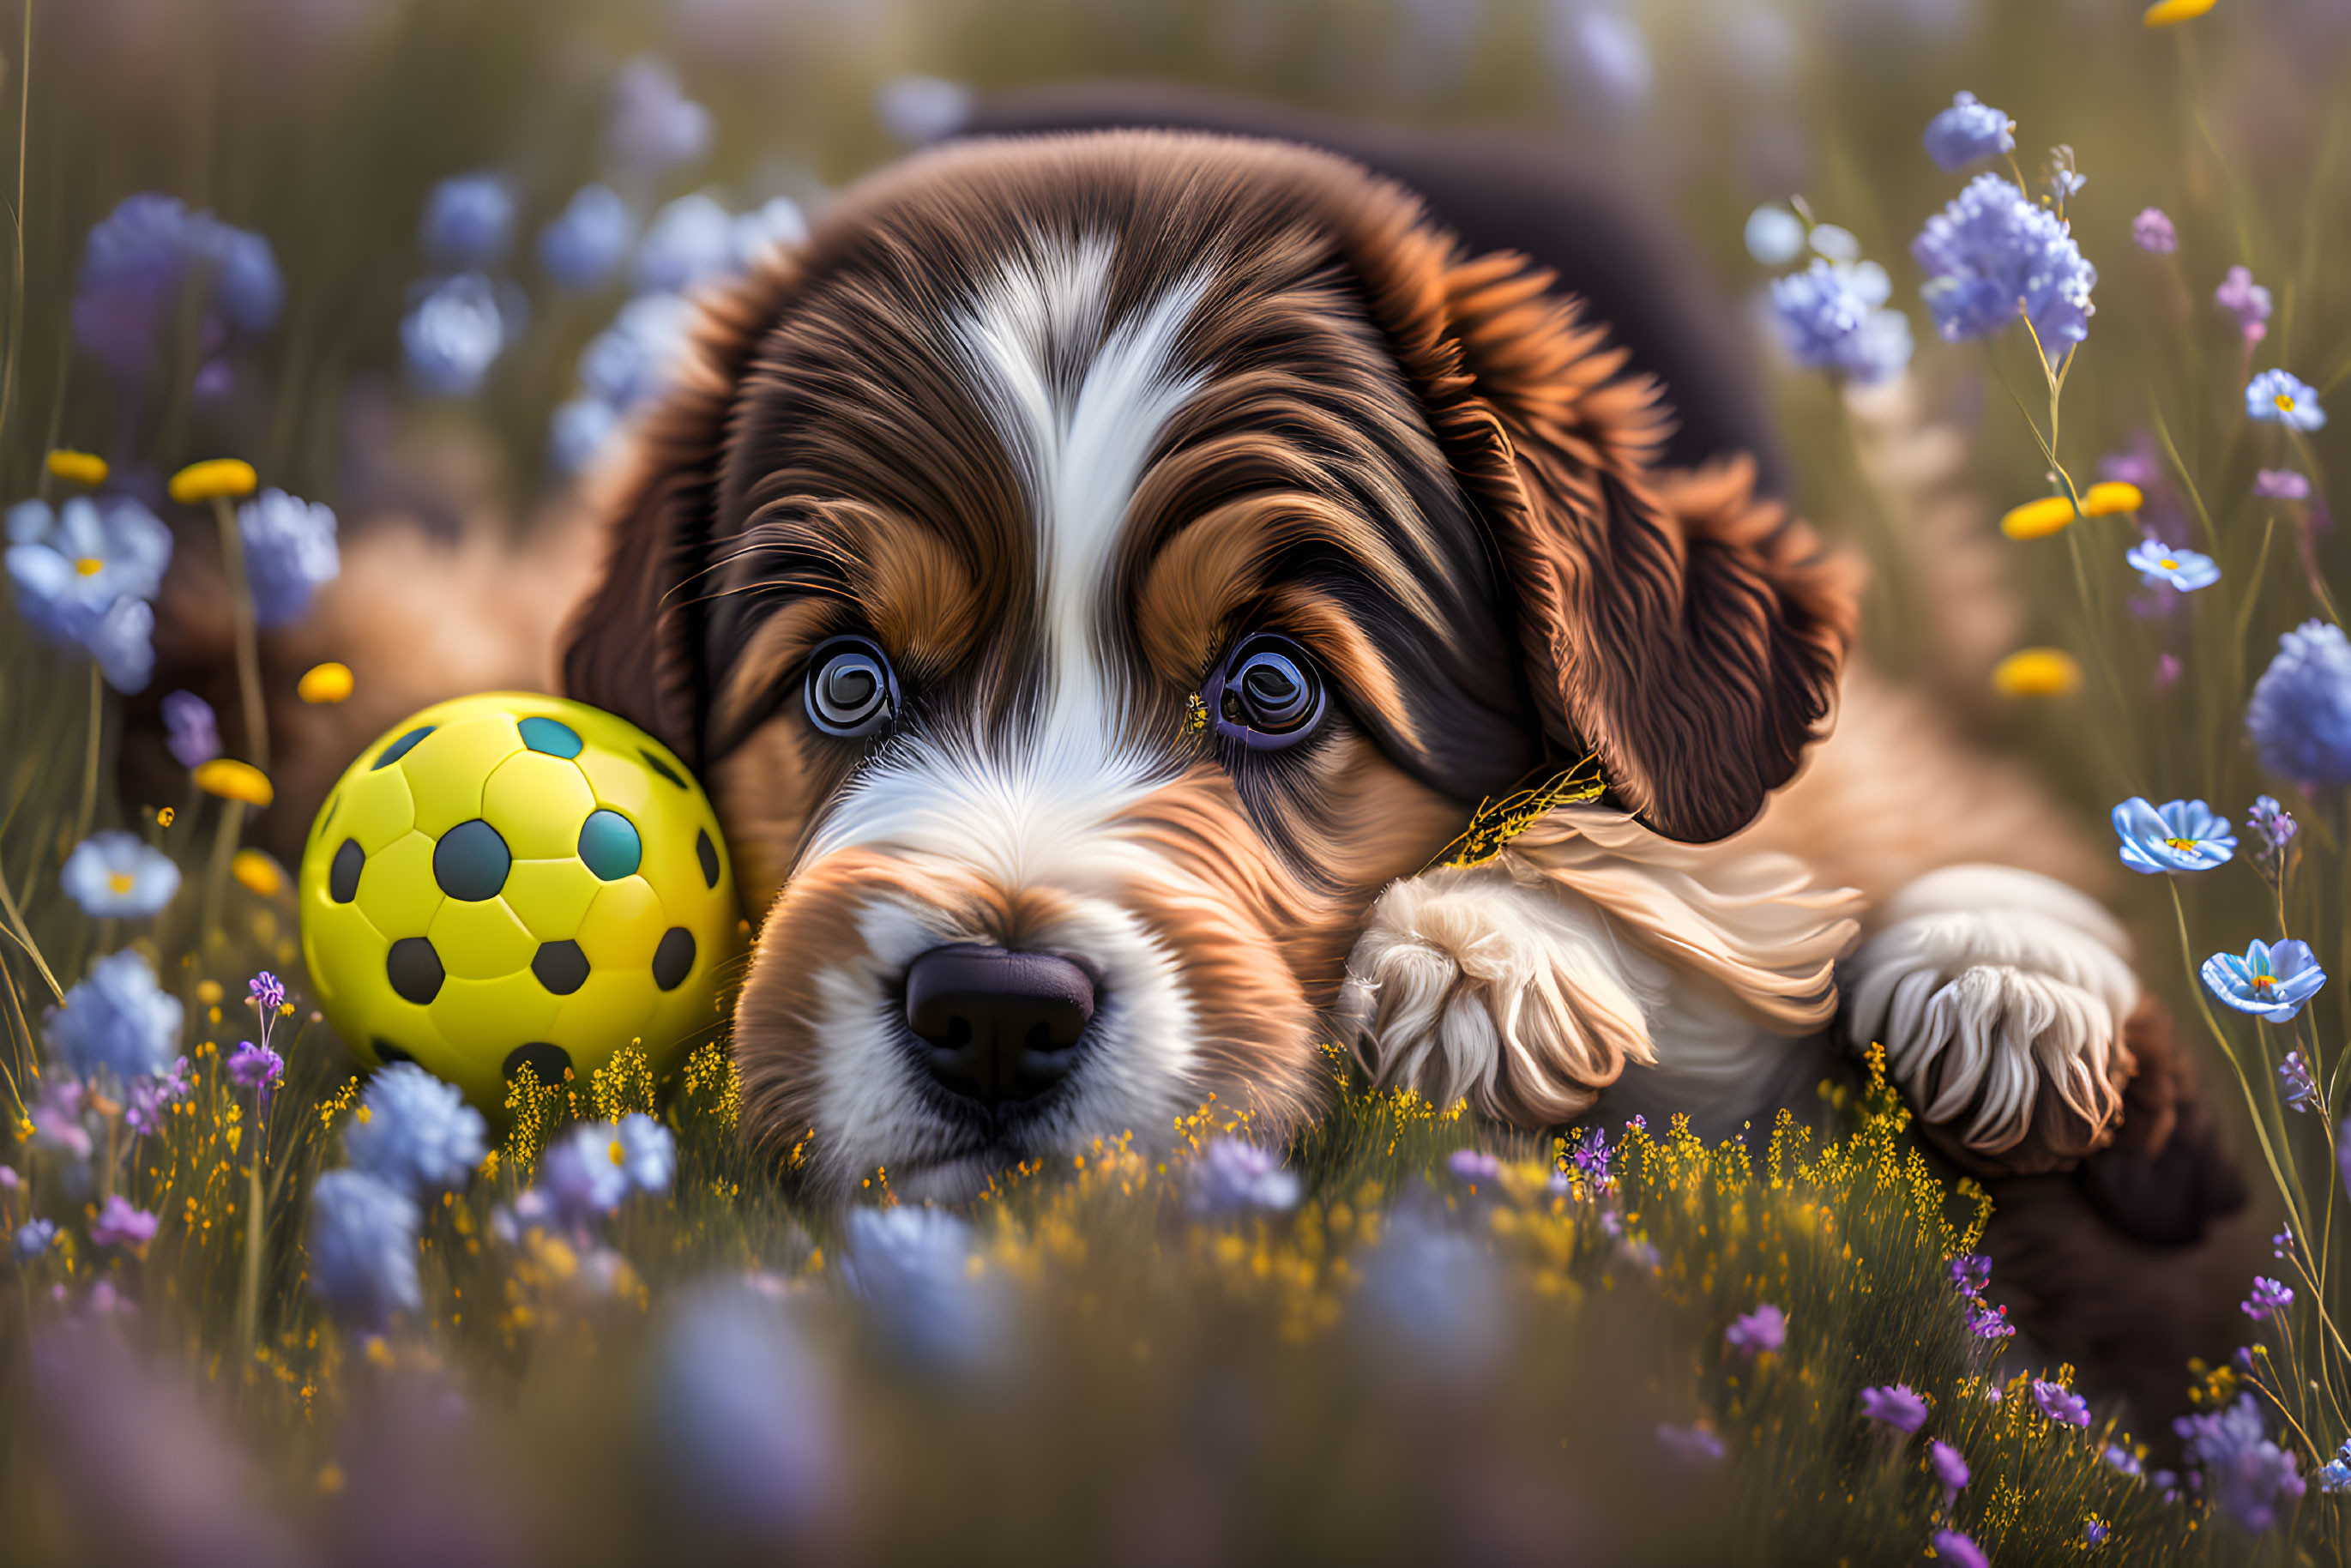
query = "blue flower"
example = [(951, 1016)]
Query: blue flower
[(1992, 247), (82, 575), (1832, 317), (742, 1414), (363, 1249), (1967, 132), (136, 262), (2300, 715), (2268, 982), (637, 356), (654, 126), (33, 1238), (247, 287), (1695, 1446), (290, 551), (580, 1176), (118, 876), (2279, 398), (778, 223), (2269, 1299), (2159, 564), (2180, 835), (190, 729), (1432, 1297), (587, 242), (117, 1020), (1775, 235), (2335, 1476), (912, 1268), (468, 223), (2242, 1470), (691, 241), (2301, 1088), (648, 1154), (579, 430), (1234, 1176), (415, 1131), (453, 335)]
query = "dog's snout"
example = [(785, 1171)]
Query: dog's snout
[(997, 1026)]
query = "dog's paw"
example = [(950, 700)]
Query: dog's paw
[(1467, 983), (1999, 997)]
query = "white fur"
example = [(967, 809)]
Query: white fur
[(1984, 981)]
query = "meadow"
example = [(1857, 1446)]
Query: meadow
[(281, 270)]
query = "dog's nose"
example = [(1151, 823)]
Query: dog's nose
[(997, 1026)]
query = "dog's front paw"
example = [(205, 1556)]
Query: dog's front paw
[(1999, 997)]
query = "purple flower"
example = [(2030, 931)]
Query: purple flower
[(2300, 715), (117, 875), (2179, 835), (363, 1249), (919, 110), (267, 991), (191, 730), (256, 1067), (587, 242), (1989, 1323), (1833, 317), (2281, 485), (1760, 1331), (2241, 1469), (417, 1134), (2248, 302), (9, 1180), (2270, 1298), (1694, 1445), (289, 552), (2160, 565), (135, 264), (1592, 1157), (743, 1413), (2152, 231), (2268, 982), (2060, 1405), (2295, 1076), (1994, 248), (2281, 1244), (2093, 1531), (1950, 1468), (468, 223), (120, 1224), (56, 1116), (144, 1110), (1971, 1274), (2123, 1460), (1897, 1406), (33, 1238), (1956, 1549), (118, 1020), (2271, 822), (654, 126), (580, 1176), (1475, 1166), (2280, 397), (1234, 1176), (1967, 132)]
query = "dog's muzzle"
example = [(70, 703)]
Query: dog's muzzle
[(994, 1027)]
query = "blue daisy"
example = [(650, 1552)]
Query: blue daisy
[(2182, 835), (2269, 982)]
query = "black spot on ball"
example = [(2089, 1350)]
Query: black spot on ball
[(343, 875), (549, 736), (658, 766), (707, 853), (387, 1052), (470, 862), (674, 957), (610, 845), (561, 967), (414, 970), (547, 1063), (403, 746)]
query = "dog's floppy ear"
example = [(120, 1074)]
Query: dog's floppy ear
[(636, 645), (1686, 629)]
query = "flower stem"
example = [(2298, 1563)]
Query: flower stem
[(89, 811), (248, 1302), (248, 651)]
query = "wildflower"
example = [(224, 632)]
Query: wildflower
[(2037, 673), (2109, 496), (33, 1238), (2121, 1460), (1432, 1297), (117, 1020), (325, 683), (2300, 715), (2335, 1476), (2246, 300), (1592, 1157), (2061, 1404), (1832, 317), (143, 1108), (1233, 1177), (1895, 1406), (919, 110), (267, 991), (1694, 1445), (453, 335), (2038, 519), (56, 1116), (577, 431), (587, 242), (2281, 485), (2242, 1470), (645, 1152), (2271, 822), (1989, 1323), (120, 1225), (2281, 1244), (654, 126), (2278, 397), (136, 262), (1968, 131), (256, 1067), (2158, 564), (2270, 982), (83, 574), (1953, 1547), (77, 467), (2093, 1531), (1993, 248), (579, 1176), (468, 223), (419, 1134), (913, 1266), (635, 358), (775, 223), (691, 241), (257, 869), (1775, 235), (1837, 244), (363, 1249), (2294, 1075), (190, 729), (234, 780), (2270, 1298), (1475, 1166), (290, 551), (1761, 1332), (2167, 12), (1950, 1468), (214, 478), (2179, 835), (742, 1413), (1971, 1274), (118, 875), (2153, 231)]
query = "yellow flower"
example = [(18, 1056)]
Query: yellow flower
[(2164, 13), (2038, 519), (233, 781), (258, 872), (222, 476), (2036, 672), (82, 467), (327, 683), (208, 991), (2111, 496)]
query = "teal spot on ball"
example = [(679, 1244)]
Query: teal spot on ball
[(549, 736), (610, 846)]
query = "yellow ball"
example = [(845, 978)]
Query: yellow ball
[(513, 878)]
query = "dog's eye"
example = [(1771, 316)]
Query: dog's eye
[(1269, 694), (851, 692)]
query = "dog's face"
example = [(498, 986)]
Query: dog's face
[(1092, 570)]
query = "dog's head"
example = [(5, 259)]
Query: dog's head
[(1093, 567)]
